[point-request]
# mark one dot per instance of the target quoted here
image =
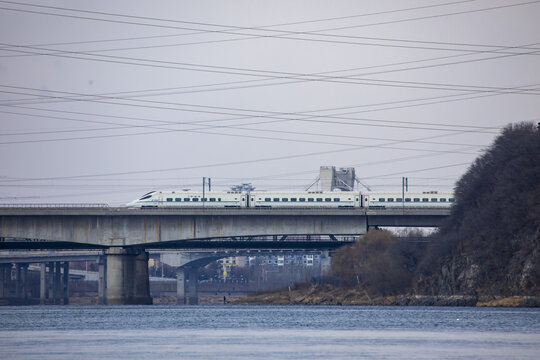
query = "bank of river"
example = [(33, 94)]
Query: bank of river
[(326, 294)]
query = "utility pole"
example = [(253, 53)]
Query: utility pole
[(203, 187), (404, 186), (209, 184)]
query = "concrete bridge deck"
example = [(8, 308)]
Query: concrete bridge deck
[(177, 227), (126, 233)]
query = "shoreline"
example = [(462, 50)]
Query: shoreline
[(330, 295)]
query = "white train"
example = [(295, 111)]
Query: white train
[(290, 199), (192, 199)]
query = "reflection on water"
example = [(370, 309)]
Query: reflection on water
[(267, 332)]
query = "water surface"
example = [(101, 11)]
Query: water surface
[(268, 332)]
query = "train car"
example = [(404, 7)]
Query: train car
[(411, 199), (334, 199), (218, 199)]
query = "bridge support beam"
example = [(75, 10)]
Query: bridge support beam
[(142, 279), (102, 280), (57, 283), (180, 286), (127, 279), (187, 278), (65, 283), (42, 284), (192, 289), (21, 283), (5, 279)]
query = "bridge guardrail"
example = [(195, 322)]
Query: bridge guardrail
[(67, 205)]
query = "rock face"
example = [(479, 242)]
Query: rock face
[(490, 244)]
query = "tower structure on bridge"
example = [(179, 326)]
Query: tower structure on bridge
[(331, 179)]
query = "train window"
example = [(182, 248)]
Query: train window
[(146, 197), (451, 200), (284, 199), (327, 199), (195, 199), (302, 199), (212, 199), (416, 199), (169, 199), (399, 200), (337, 199), (407, 199), (310, 199), (267, 199), (293, 199), (177, 199), (442, 199), (186, 199), (276, 199), (319, 199), (390, 199), (204, 199), (218, 199), (433, 199), (381, 199), (425, 199)]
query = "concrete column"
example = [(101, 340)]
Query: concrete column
[(50, 282), (18, 281), (57, 283), (326, 262), (127, 280), (43, 284), (102, 280), (5, 278), (192, 287), (120, 288), (22, 283), (142, 279), (65, 283), (180, 286)]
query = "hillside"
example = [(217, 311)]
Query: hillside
[(490, 245)]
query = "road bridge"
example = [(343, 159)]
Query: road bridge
[(125, 234)]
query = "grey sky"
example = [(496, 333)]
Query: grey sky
[(120, 98)]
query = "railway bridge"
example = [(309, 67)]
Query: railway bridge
[(125, 234)]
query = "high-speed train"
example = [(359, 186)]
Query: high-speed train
[(290, 199)]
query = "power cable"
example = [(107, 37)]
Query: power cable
[(286, 75), (281, 35)]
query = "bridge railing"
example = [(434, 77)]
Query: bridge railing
[(59, 205)]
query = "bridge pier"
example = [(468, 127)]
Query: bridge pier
[(21, 282), (127, 280), (65, 283), (187, 281), (180, 286), (102, 280), (54, 284), (5, 279)]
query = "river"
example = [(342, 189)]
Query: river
[(268, 332)]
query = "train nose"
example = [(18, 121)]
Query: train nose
[(131, 204)]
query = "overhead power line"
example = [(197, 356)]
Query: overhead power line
[(255, 113), (287, 75), (282, 34)]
